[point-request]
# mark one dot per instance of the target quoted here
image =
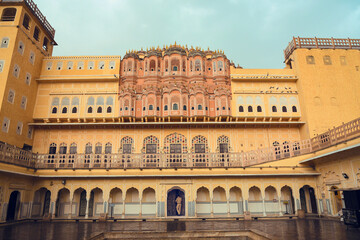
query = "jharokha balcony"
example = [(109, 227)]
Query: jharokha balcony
[(16, 156)]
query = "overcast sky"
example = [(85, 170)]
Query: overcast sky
[(252, 33)]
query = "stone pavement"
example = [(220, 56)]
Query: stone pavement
[(307, 229)]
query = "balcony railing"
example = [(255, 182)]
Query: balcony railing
[(14, 155), (35, 10), (321, 43)]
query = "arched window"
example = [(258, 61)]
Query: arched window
[(63, 148), (197, 65), (284, 109), (90, 110), (75, 101), (99, 110), (55, 102), (90, 101), (259, 109), (109, 101), (126, 145), (175, 106), (151, 145), (88, 148), (100, 101), (250, 109), (184, 107), (98, 148), (26, 21), (175, 68), (108, 110), (52, 148), (200, 107), (73, 148), (65, 101), (74, 110), (151, 107), (108, 148), (223, 108), (274, 109), (64, 110), (8, 14), (241, 109), (294, 109), (165, 107), (54, 110), (36, 33), (144, 108)]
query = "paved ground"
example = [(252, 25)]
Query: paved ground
[(281, 229)]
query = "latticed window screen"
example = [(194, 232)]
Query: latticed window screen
[(151, 144), (199, 144), (63, 148), (88, 148), (126, 145), (108, 148), (52, 148), (98, 148), (223, 144), (73, 148), (175, 139)]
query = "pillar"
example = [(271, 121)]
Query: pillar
[(87, 207)]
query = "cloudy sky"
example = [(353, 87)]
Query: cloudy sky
[(252, 33)]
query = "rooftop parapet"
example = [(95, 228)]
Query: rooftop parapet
[(35, 10), (321, 43)]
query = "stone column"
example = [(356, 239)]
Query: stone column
[(87, 207), (263, 204)]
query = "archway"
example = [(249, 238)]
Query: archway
[(287, 200), (307, 195), (79, 200), (41, 202), (219, 201), (13, 206), (203, 202), (148, 202), (235, 201), (172, 202), (336, 199)]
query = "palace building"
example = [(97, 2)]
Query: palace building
[(119, 137)]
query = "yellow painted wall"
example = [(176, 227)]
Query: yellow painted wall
[(13, 56), (329, 94)]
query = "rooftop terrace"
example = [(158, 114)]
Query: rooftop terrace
[(35, 10), (321, 43)]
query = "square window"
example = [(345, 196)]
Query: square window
[(5, 125), (21, 48), (112, 65), (4, 42), (30, 133), (16, 71), (80, 65), (343, 60), (70, 65), (2, 62), (48, 65), (11, 96), (32, 57), (19, 128), (59, 66), (28, 79), (23, 102), (310, 60)]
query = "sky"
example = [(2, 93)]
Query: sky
[(252, 34)]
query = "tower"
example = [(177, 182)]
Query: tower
[(26, 38)]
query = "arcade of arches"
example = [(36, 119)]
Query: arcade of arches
[(121, 198)]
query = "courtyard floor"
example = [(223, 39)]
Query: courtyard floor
[(279, 229)]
